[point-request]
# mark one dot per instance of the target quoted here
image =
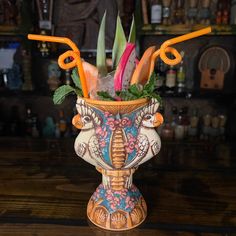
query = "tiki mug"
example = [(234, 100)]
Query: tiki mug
[(116, 137)]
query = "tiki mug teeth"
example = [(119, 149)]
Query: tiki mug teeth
[(116, 137)]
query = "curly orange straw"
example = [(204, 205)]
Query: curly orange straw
[(166, 49), (75, 53)]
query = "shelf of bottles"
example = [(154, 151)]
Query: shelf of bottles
[(173, 82), (156, 29), (187, 123), (10, 31), (28, 125), (178, 17), (170, 80)]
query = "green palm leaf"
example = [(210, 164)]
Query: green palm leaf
[(119, 43), (101, 48), (132, 33)]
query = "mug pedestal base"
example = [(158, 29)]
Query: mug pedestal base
[(117, 209)]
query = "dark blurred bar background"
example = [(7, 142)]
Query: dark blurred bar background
[(199, 94)]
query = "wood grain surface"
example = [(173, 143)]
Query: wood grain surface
[(190, 189)]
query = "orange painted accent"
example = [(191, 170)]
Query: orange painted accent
[(116, 103), (165, 48), (76, 121), (115, 107), (158, 119), (75, 53), (119, 220)]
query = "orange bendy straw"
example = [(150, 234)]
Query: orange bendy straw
[(165, 48), (75, 53)]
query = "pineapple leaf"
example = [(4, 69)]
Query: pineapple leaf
[(132, 33), (119, 43), (101, 49)]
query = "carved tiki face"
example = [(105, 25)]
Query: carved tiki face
[(117, 135)]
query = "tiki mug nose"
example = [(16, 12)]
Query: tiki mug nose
[(158, 119), (77, 122)]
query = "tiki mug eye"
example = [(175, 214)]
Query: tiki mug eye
[(147, 117), (87, 119)]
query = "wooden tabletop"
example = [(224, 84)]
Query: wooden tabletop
[(190, 189)]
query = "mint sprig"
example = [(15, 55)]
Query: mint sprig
[(65, 90), (61, 93), (135, 91), (104, 95)]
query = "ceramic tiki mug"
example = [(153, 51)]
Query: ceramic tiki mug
[(116, 137)]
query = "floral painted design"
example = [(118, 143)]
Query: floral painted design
[(110, 123), (113, 200), (107, 114), (102, 135), (121, 123), (131, 144)]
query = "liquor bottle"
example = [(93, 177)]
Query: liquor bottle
[(166, 12), (181, 76), (223, 120), (186, 121), (15, 122), (206, 127), (192, 12), (35, 129), (49, 128), (57, 131), (193, 127), (62, 123), (145, 11), (174, 118), (156, 12), (233, 12), (218, 17), (222, 13), (167, 132), (204, 12), (28, 122), (35, 126), (170, 80), (180, 128), (226, 13), (179, 13), (160, 76), (219, 12)]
